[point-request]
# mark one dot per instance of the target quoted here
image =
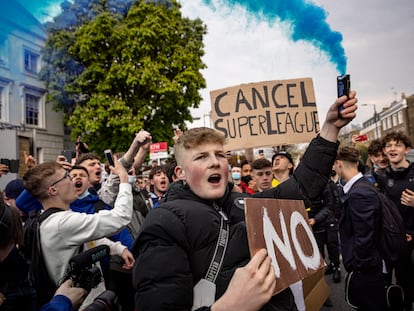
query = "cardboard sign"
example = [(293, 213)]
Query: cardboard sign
[(315, 291), (281, 226), (266, 114)]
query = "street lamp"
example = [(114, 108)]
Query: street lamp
[(375, 118)]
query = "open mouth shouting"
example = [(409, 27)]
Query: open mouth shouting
[(78, 184), (214, 179)]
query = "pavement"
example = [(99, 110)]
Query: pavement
[(337, 294)]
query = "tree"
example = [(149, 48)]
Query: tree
[(114, 74)]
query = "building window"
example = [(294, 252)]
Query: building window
[(1, 103), (400, 117), (384, 124), (395, 119), (31, 62), (4, 100), (32, 109), (4, 46)]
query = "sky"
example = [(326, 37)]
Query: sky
[(377, 39), (262, 40)]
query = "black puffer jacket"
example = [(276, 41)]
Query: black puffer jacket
[(393, 183), (176, 243)]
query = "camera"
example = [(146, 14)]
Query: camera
[(12, 164), (82, 269), (107, 301)]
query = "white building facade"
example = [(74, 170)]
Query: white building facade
[(27, 122)]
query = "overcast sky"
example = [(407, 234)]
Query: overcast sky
[(377, 38), (242, 48)]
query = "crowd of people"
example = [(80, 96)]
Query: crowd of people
[(163, 228)]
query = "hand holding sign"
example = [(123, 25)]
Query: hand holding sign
[(282, 227), (250, 287)]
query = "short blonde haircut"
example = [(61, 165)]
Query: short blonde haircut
[(194, 138)]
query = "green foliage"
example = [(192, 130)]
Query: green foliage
[(115, 74)]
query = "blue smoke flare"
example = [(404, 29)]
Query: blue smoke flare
[(307, 21)]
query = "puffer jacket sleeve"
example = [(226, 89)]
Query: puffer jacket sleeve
[(310, 177), (162, 276), (315, 168)]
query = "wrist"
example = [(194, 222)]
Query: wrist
[(222, 305), (329, 132)]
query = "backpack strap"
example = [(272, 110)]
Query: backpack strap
[(221, 247), (98, 206), (48, 212)]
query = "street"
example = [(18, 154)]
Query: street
[(337, 294)]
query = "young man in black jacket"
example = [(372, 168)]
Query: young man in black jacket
[(360, 227), (177, 240), (398, 183)]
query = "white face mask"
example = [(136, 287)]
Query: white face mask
[(132, 179)]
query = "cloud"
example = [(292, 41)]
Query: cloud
[(241, 48)]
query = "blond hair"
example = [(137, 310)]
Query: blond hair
[(194, 138)]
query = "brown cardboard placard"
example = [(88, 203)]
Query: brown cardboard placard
[(281, 226), (315, 290), (266, 113)]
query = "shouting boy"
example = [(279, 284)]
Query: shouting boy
[(178, 239)]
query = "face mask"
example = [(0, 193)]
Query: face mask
[(132, 179), (235, 176)]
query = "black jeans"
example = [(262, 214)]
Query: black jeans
[(367, 291)]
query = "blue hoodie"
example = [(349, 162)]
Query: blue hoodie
[(58, 303)]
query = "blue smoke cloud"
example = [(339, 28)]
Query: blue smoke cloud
[(307, 21), (41, 9)]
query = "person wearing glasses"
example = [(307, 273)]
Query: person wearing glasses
[(63, 233)]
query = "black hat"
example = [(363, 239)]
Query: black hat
[(285, 154), (14, 188)]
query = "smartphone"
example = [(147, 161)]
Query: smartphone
[(14, 166), (109, 158), (68, 154), (343, 85)]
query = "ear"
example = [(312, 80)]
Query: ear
[(180, 173), (51, 191)]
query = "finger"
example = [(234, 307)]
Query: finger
[(270, 276), (265, 267), (257, 259), (61, 158), (68, 283)]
